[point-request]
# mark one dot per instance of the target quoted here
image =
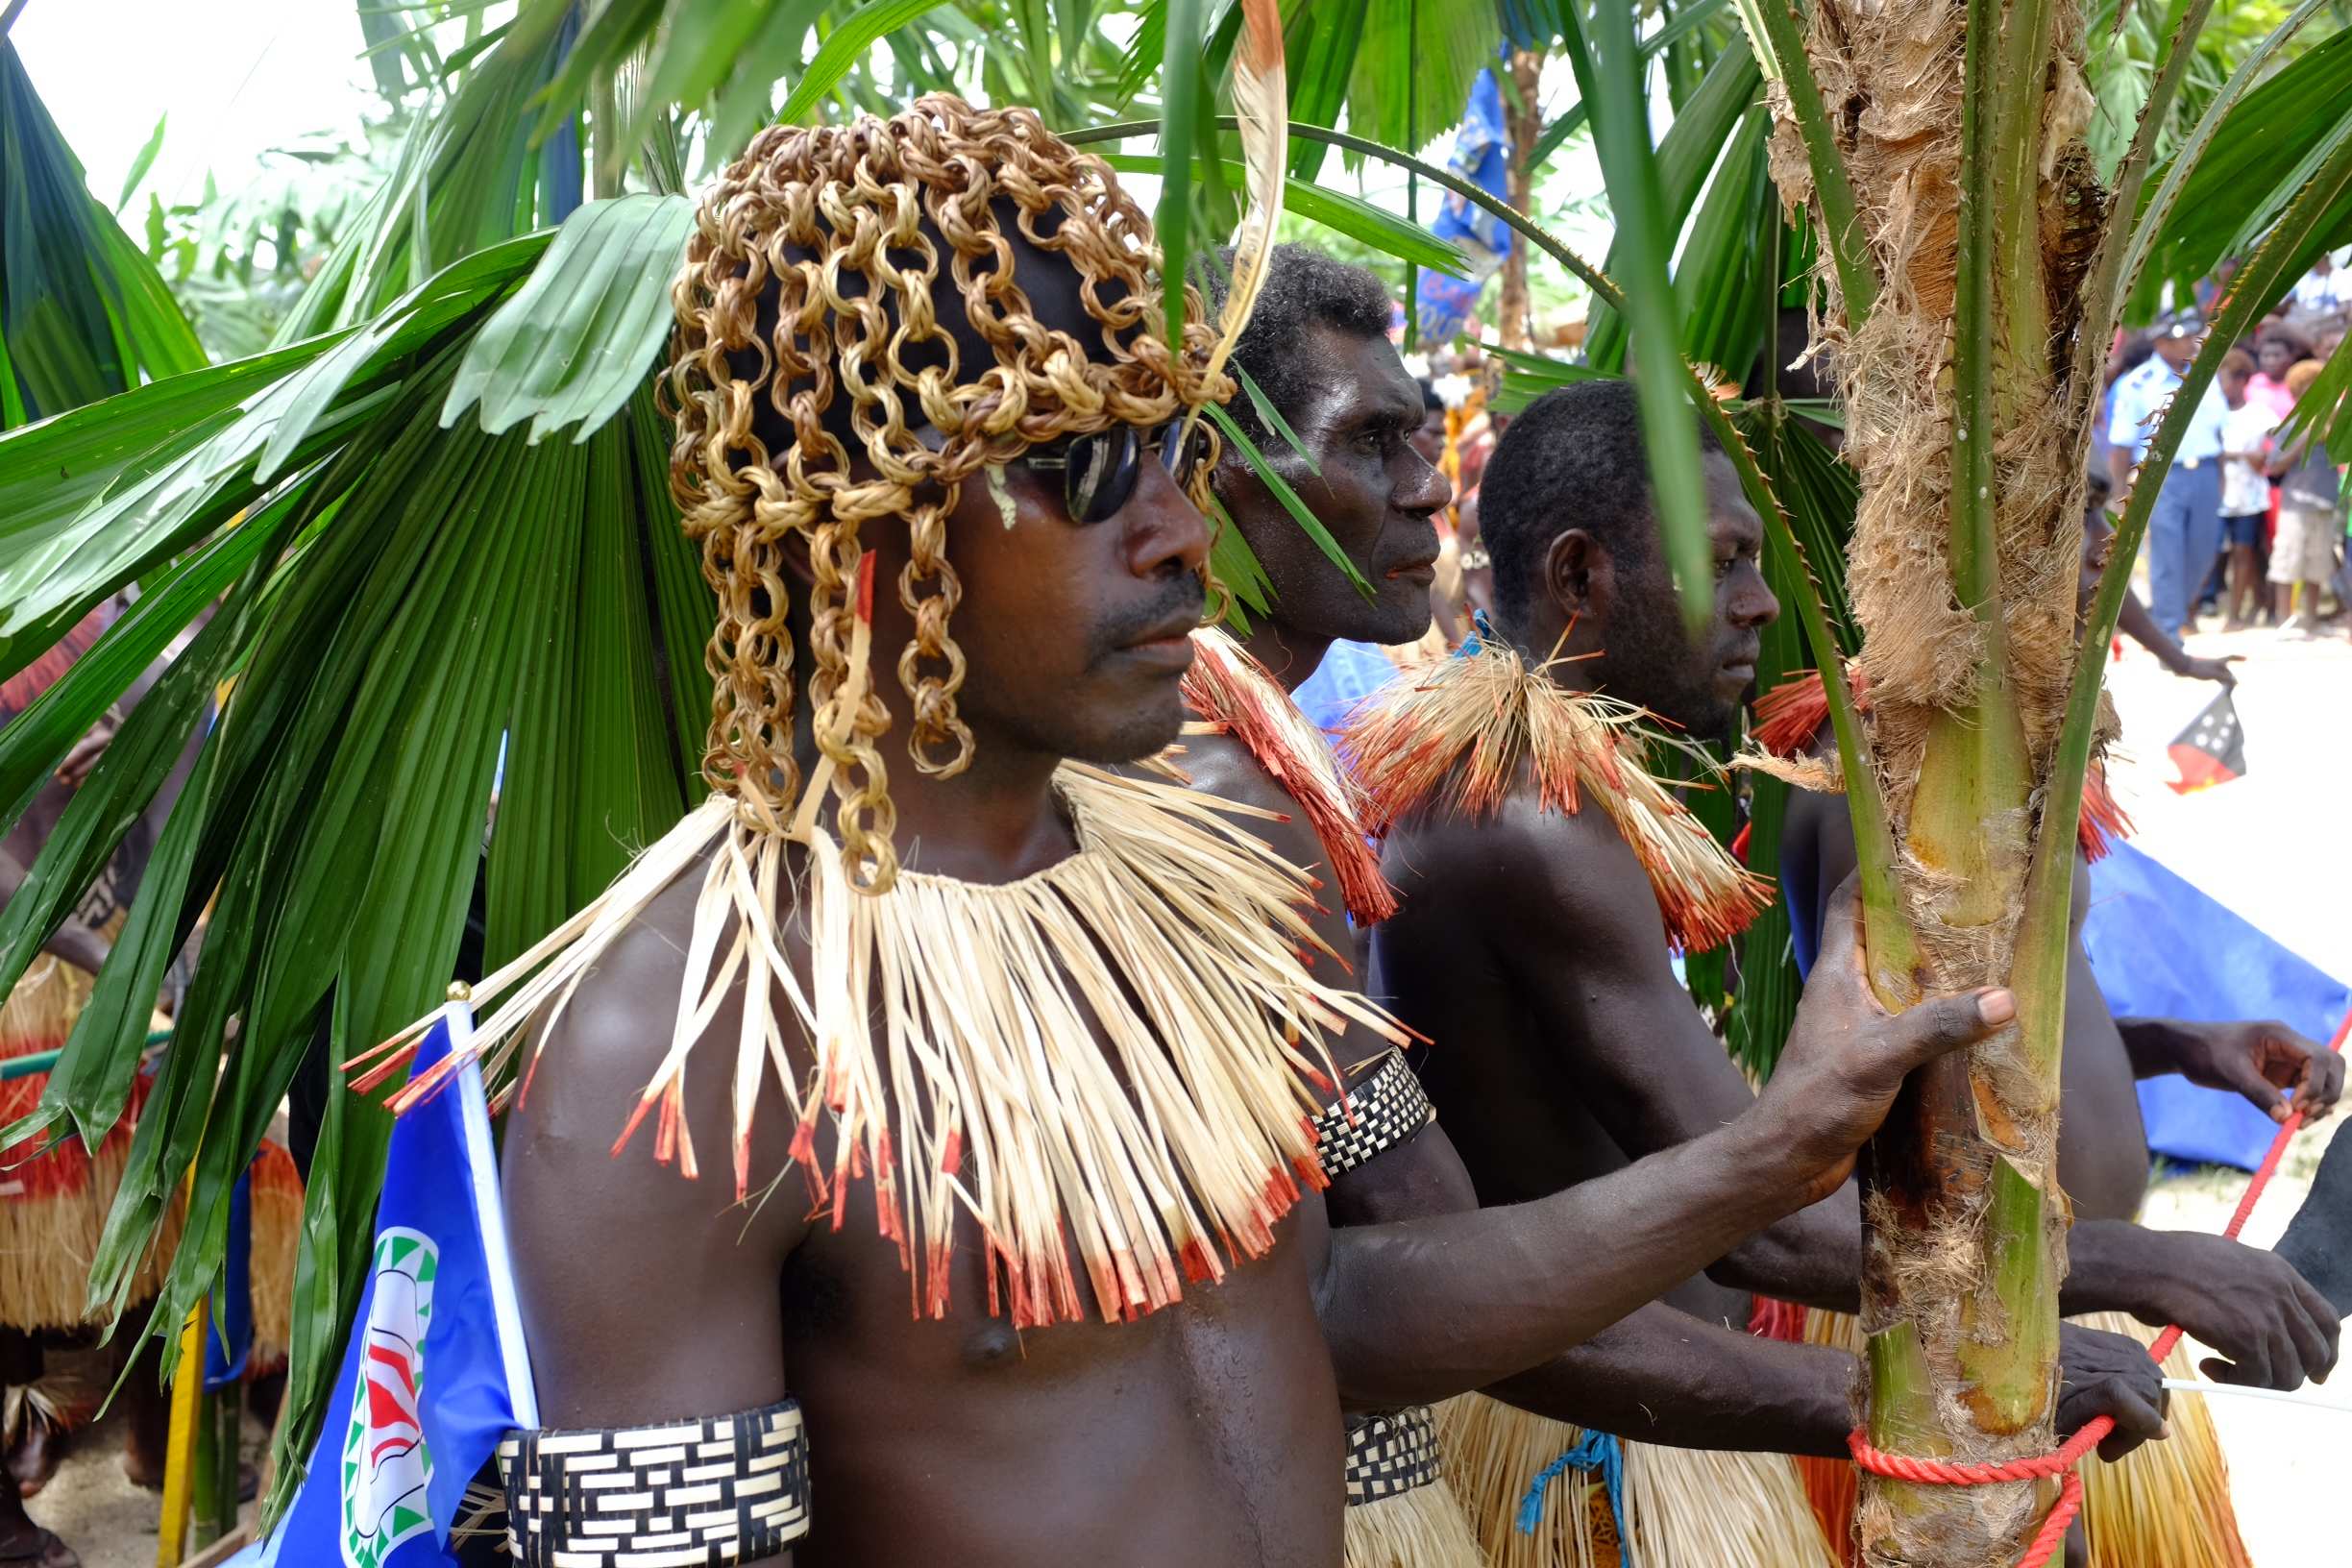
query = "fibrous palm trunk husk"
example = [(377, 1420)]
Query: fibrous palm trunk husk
[(1965, 1222)]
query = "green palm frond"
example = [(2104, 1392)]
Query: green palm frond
[(401, 594), (1715, 128), (1610, 77), (83, 313), (2248, 168)]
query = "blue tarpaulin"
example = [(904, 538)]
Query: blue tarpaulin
[(2162, 949)]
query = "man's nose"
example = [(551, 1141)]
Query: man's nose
[(1165, 532), (1425, 488), (1753, 607)]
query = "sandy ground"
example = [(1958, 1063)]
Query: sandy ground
[(2277, 846), (96, 1510)]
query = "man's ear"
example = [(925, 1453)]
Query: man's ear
[(1579, 578)]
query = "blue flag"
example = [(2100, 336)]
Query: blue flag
[(1445, 304), (436, 1372)]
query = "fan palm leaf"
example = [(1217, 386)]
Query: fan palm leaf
[(83, 312)]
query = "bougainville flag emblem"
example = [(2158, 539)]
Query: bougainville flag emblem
[(435, 1372), (386, 1464), (2211, 749)]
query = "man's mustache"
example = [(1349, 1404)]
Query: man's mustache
[(1182, 601)]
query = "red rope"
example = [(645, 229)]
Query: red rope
[(2041, 1466)]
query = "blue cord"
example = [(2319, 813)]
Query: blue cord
[(1481, 632), (1596, 1451)]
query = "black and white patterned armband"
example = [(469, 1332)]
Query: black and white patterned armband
[(1388, 1108), (714, 1491), (1389, 1452)]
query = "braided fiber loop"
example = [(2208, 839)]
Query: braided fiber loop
[(2062, 1461), (813, 285)]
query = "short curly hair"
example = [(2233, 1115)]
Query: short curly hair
[(1572, 459), (1305, 288)]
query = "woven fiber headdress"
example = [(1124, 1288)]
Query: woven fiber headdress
[(811, 289), (1109, 1065)]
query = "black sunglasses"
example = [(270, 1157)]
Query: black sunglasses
[(1099, 470)]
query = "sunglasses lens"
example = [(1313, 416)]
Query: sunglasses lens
[(1182, 453), (1102, 472)]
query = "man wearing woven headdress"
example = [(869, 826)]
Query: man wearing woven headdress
[(1538, 908), (997, 1042), (1316, 348)]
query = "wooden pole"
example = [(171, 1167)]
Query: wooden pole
[(179, 1447)]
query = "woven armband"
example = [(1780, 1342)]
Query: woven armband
[(1389, 1107), (1389, 1452), (717, 1490)]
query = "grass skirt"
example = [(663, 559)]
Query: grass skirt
[(1684, 1508), (2162, 1506), (1421, 1527), (53, 1205)]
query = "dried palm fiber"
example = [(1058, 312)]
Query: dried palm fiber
[(1400, 1513), (1896, 70), (2164, 1505), (1684, 1508), (951, 1028), (1789, 718), (276, 1232), (1234, 694), (54, 1202), (1459, 736), (1423, 1527), (53, 1199)]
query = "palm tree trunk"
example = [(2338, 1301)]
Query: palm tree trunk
[(1960, 125), (1523, 123)]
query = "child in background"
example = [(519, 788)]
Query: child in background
[(2280, 348), (2303, 555), (2246, 489)]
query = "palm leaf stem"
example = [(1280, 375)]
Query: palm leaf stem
[(1832, 183), (1974, 552), (2263, 278), (2109, 278), (1892, 944), (2150, 220)]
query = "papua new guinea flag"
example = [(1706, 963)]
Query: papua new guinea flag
[(436, 1372), (2211, 749)]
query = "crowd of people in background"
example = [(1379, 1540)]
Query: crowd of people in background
[(2250, 526)]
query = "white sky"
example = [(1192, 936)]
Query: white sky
[(236, 79), (241, 79)]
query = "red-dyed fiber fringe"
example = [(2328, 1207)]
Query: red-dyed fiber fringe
[(1831, 1486), (65, 1166), (1792, 713), (1228, 688), (21, 689), (1771, 1318), (2061, 1462)]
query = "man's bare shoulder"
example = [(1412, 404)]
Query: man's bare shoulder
[(594, 1062), (616, 1030), (1221, 766), (1520, 861)]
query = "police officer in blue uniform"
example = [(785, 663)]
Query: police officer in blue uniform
[(2185, 530)]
